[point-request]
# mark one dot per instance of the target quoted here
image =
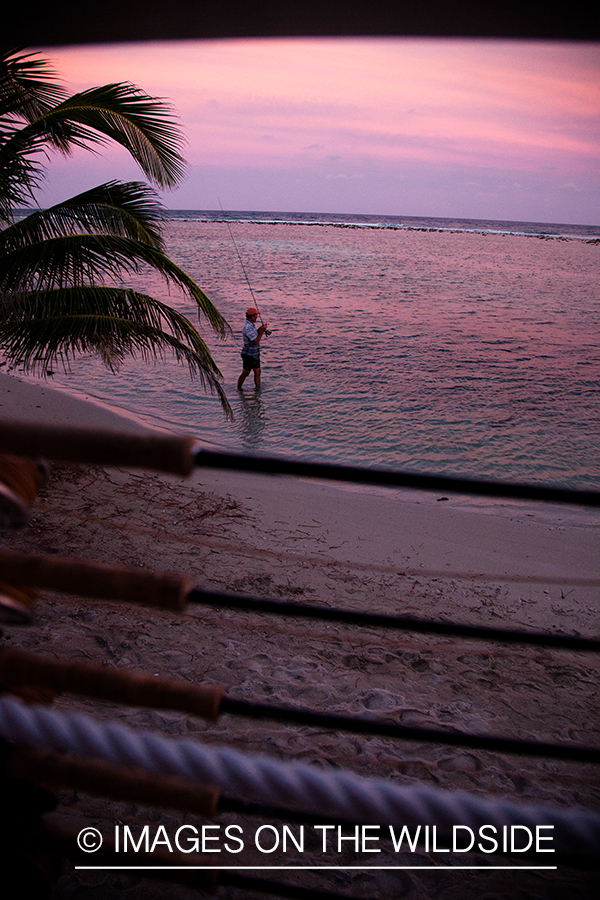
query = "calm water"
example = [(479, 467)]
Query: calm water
[(434, 345)]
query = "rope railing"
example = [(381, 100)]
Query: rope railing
[(167, 591), (102, 779), (130, 783), (151, 450), (180, 454), (274, 465), (87, 579), (384, 728), (392, 622), (17, 668), (114, 761), (20, 481), (294, 784)]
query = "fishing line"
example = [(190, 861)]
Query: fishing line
[(239, 256)]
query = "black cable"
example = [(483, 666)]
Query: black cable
[(382, 728), (273, 465), (398, 623)]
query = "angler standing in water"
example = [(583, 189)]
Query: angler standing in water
[(251, 348)]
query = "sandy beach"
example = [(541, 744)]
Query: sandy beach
[(453, 558)]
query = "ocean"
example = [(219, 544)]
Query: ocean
[(453, 346)]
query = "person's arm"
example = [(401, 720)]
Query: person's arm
[(259, 332)]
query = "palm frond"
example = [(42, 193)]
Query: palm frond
[(18, 180), (75, 259), (40, 329), (56, 264), (28, 85), (81, 259), (28, 90), (129, 209), (104, 301), (120, 112)]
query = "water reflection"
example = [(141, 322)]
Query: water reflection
[(251, 419)]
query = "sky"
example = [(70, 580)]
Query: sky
[(487, 129)]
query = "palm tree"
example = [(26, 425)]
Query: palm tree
[(65, 270)]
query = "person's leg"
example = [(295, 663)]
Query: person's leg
[(242, 378), (257, 377)]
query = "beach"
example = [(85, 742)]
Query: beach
[(511, 565)]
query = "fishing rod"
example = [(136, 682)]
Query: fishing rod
[(239, 256)]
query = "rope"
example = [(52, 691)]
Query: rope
[(128, 686), (164, 452), (16, 603), (382, 728), (94, 579), (23, 477), (172, 592), (292, 784), (101, 779), (179, 455), (20, 482), (273, 465), (18, 667), (399, 623)]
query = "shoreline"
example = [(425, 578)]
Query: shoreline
[(364, 524), (30, 401)]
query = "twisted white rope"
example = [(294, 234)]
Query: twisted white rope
[(289, 784)]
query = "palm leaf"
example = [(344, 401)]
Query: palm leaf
[(56, 264), (81, 259), (28, 86), (97, 300), (120, 112), (40, 329), (130, 209), (28, 89)]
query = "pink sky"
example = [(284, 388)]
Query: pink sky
[(423, 127)]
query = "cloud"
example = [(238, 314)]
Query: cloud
[(380, 105)]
